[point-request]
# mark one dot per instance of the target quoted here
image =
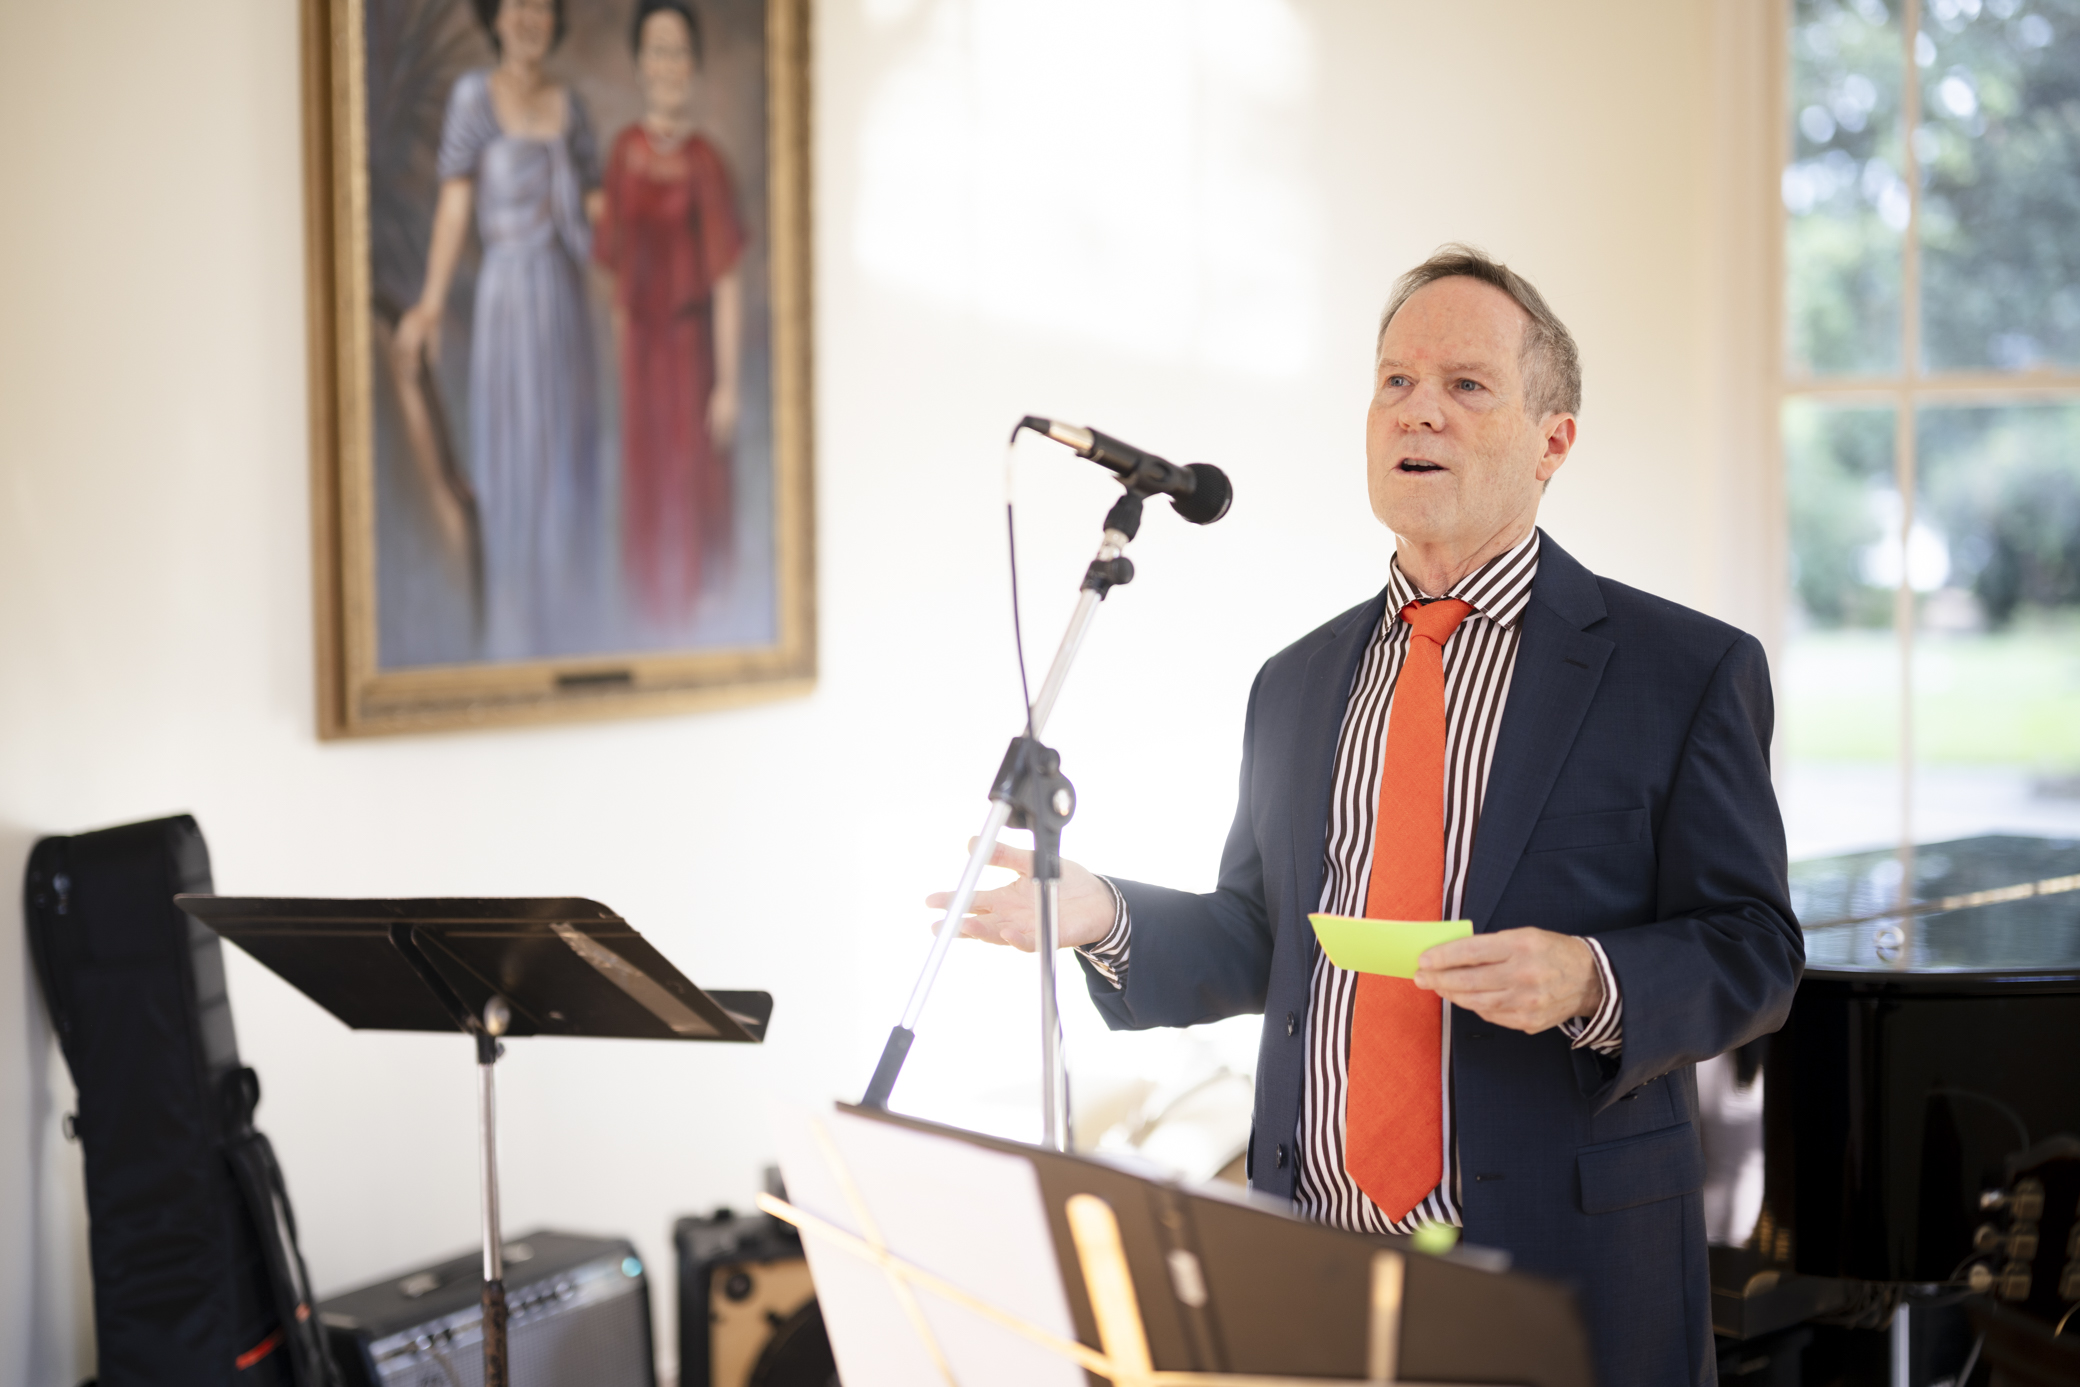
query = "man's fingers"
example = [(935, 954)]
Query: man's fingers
[(1488, 983), (1483, 977), (1019, 860), (1015, 900), (991, 912), (1473, 949), (997, 932), (1476, 998), (1510, 1008)]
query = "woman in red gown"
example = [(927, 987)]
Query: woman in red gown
[(670, 238)]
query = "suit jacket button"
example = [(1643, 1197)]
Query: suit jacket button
[(1279, 1156), (1291, 1025)]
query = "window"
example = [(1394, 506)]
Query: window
[(1930, 680)]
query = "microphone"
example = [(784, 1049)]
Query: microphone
[(1200, 493)]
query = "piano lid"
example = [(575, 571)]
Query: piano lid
[(2001, 904)]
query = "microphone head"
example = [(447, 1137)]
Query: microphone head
[(1210, 496)]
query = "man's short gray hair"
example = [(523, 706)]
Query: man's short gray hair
[(1552, 366)]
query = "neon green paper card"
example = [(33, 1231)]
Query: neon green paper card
[(1390, 947)]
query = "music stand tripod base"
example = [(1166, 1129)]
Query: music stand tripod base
[(489, 968)]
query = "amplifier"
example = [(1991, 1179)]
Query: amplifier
[(748, 1315), (579, 1316)]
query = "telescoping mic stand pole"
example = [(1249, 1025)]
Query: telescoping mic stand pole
[(1029, 790)]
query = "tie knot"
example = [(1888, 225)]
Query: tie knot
[(1435, 621)]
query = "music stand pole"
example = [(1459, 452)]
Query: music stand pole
[(1030, 789), (497, 1015)]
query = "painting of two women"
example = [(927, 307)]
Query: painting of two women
[(573, 426)]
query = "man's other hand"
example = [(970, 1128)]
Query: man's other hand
[(1528, 980), (1010, 914)]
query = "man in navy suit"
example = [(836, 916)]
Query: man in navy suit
[(1607, 823)]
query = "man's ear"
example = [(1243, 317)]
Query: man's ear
[(1559, 442)]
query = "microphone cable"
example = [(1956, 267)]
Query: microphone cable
[(1018, 639)]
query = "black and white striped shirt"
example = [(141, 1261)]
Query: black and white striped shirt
[(1479, 662)]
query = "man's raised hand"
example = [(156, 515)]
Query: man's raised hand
[(1010, 914)]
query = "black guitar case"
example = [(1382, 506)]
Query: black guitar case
[(197, 1275)]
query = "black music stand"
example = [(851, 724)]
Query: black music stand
[(488, 968), (931, 1251)]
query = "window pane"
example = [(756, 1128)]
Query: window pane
[(1843, 190), (1838, 690), (2000, 142), (1997, 653)]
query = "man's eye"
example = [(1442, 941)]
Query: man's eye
[(1397, 381), (1469, 385)]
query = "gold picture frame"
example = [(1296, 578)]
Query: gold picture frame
[(363, 498)]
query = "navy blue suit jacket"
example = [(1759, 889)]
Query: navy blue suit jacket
[(1630, 799)]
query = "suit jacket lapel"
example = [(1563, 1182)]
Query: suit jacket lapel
[(1559, 666), (1330, 670)]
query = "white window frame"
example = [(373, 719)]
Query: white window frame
[(1906, 391)]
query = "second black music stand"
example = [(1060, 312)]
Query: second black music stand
[(488, 967)]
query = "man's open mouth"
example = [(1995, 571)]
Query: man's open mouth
[(1417, 465)]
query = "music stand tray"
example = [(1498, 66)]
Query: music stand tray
[(487, 967)]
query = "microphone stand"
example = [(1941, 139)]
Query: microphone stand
[(1029, 792)]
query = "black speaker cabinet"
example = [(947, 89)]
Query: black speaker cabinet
[(579, 1317), (747, 1310)]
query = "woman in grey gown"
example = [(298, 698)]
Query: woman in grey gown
[(518, 151)]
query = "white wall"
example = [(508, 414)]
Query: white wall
[(1174, 220)]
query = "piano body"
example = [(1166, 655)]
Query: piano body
[(1921, 1052), (1925, 1048)]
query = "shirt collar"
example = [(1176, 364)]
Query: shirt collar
[(1499, 589)]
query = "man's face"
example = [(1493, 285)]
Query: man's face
[(1452, 458)]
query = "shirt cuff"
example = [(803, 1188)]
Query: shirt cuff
[(1604, 1032), (1109, 955)]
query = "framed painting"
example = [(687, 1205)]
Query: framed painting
[(559, 282)]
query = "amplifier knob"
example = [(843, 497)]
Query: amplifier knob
[(1985, 1238)]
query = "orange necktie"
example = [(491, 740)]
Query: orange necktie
[(1394, 1110)]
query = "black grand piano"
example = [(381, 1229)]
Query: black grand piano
[(1925, 1049)]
